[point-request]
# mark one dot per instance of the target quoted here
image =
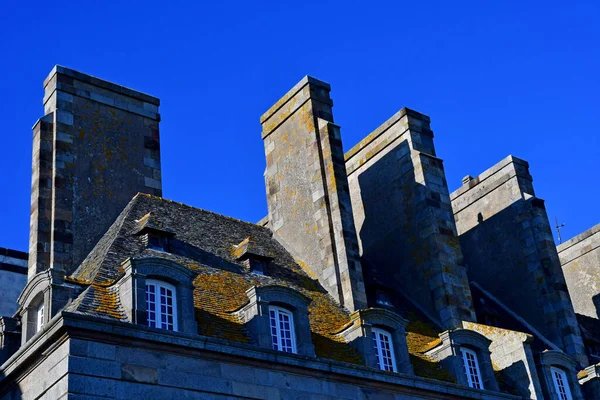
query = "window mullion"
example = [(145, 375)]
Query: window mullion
[(279, 332), (380, 350)]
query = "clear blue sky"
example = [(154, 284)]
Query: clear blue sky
[(496, 78)]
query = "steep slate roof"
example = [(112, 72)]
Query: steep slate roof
[(211, 244)]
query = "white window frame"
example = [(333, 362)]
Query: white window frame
[(378, 345), (39, 325), (276, 332), (160, 319), (561, 381), (467, 368)]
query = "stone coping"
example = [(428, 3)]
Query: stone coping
[(20, 255), (66, 324), (291, 93), (381, 129), (486, 174), (18, 269), (80, 76), (579, 238)]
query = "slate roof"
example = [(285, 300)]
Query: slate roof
[(211, 245)]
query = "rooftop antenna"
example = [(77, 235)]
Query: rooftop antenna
[(558, 227)]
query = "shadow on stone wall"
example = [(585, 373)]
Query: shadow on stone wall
[(514, 379), (391, 245), (506, 251), (596, 301), (9, 390)]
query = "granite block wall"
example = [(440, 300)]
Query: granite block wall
[(404, 219), (580, 261), (13, 277), (307, 190), (507, 243), (511, 354), (95, 359), (95, 148)]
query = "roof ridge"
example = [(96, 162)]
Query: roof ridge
[(153, 197), (118, 226)]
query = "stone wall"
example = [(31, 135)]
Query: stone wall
[(13, 277), (307, 190), (580, 260), (509, 250), (511, 355), (103, 359), (404, 219), (96, 147)]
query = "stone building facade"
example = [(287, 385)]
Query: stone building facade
[(13, 277), (368, 279)]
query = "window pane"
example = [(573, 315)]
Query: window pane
[(384, 351), (160, 306), (471, 368), (281, 323), (561, 384)]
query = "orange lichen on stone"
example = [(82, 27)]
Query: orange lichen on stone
[(218, 294), (107, 301), (422, 336)]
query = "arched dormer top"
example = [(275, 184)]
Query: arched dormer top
[(278, 294), (159, 268), (39, 284)]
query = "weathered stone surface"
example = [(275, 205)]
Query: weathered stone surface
[(307, 190), (511, 354), (151, 364), (13, 277), (97, 146), (508, 246), (580, 261), (404, 220)]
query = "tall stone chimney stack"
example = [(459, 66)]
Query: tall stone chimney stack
[(95, 148), (307, 190)]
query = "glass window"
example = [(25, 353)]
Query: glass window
[(472, 370), (161, 305), (157, 242), (40, 317), (282, 329), (561, 384), (384, 350)]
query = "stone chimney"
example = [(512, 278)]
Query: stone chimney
[(507, 241), (307, 190), (96, 146), (404, 221)]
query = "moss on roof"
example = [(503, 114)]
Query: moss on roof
[(206, 242)]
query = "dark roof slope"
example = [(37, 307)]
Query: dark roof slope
[(208, 244), (213, 246)]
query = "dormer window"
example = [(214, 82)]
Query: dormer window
[(158, 242), (252, 256), (384, 350), (382, 298), (154, 233), (561, 384), (161, 304), (277, 318), (39, 317), (471, 367), (282, 329)]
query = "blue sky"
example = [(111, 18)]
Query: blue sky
[(496, 78)]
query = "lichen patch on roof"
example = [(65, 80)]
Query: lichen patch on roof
[(212, 246)]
